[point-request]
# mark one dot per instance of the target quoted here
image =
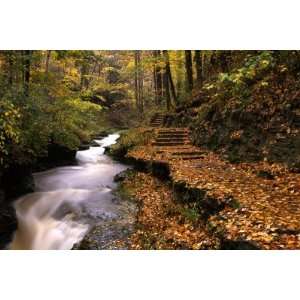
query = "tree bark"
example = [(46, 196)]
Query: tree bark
[(155, 86), (156, 96), (189, 70), (169, 75), (167, 90), (27, 63), (166, 86), (159, 77), (141, 84), (10, 67), (136, 90), (224, 55), (47, 61), (198, 62), (179, 68), (138, 81)]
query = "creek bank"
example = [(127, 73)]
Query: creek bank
[(247, 205), (114, 234), (162, 222), (80, 202), (17, 180), (8, 220)]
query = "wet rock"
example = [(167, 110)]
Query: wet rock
[(83, 147), (107, 236), (8, 224), (99, 136), (238, 245), (160, 170), (57, 156), (265, 174), (17, 181), (122, 175), (60, 153), (94, 144)]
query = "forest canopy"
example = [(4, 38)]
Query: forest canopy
[(65, 96)]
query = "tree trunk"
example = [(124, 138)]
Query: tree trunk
[(179, 68), (141, 84), (169, 75), (159, 77), (10, 67), (138, 81), (198, 62), (189, 70), (47, 61), (155, 86), (156, 96), (136, 90), (167, 91), (166, 86), (224, 55), (27, 63)]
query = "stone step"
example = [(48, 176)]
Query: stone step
[(184, 153), (189, 157), (173, 130), (173, 137), (171, 140), (173, 133), (169, 143), (160, 150)]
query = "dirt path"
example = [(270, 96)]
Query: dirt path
[(256, 203)]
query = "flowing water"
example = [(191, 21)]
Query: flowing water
[(69, 201)]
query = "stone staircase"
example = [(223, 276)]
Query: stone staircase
[(172, 137), (157, 120), (247, 211), (176, 143)]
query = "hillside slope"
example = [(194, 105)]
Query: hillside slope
[(249, 114)]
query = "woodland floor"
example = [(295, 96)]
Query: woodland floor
[(257, 203)]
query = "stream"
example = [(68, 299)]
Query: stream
[(73, 203)]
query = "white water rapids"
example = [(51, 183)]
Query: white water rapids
[(67, 200)]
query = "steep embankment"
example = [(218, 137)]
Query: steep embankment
[(247, 118), (247, 205), (243, 195)]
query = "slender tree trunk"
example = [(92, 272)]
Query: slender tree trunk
[(156, 96), (84, 82), (155, 86), (179, 68), (166, 86), (47, 61), (198, 62), (189, 70), (27, 64), (136, 89), (167, 90), (203, 66), (141, 84), (224, 55), (138, 81), (169, 75), (10, 68), (159, 77)]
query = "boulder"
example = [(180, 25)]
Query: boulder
[(8, 224), (17, 180), (94, 144)]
